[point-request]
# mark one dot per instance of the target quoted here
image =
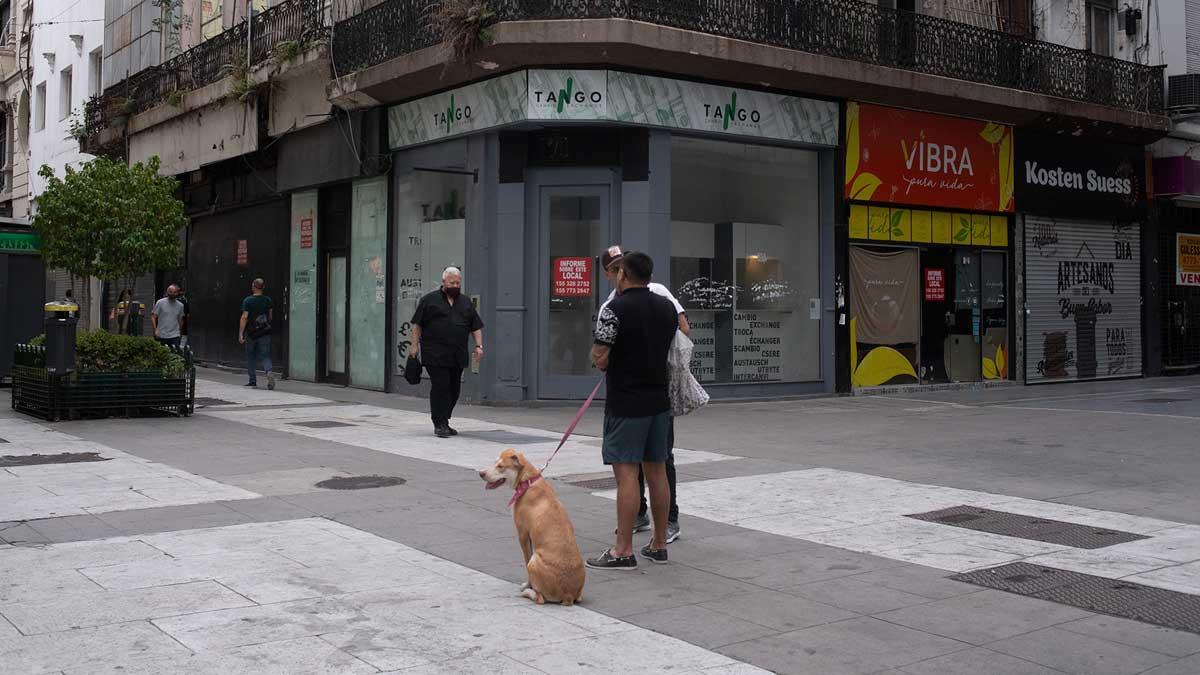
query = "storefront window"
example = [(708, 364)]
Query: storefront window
[(431, 214), (745, 259)]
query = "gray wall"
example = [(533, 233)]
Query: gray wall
[(131, 42)]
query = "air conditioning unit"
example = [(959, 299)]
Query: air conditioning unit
[(1183, 93)]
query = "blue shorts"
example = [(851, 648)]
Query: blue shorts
[(633, 440)]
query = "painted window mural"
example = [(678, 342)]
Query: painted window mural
[(885, 316)]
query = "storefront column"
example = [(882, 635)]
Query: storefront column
[(302, 294), (368, 288)]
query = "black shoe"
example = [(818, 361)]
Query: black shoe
[(250, 384), (606, 561), (658, 556), (452, 431), (441, 432)]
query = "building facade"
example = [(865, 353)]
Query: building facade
[(831, 193)]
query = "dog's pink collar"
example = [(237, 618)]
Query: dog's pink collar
[(522, 488)]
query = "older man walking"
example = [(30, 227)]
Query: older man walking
[(167, 318), (633, 336), (441, 323)]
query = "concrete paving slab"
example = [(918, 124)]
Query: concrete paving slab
[(857, 596), (307, 656), (1079, 654), (1188, 666), (1182, 578), (778, 611), (703, 626), (166, 570), (66, 612), (977, 660), (980, 618), (1135, 634), (855, 646), (87, 648)]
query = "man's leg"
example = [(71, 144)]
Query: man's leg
[(454, 390), (641, 492), (673, 513), (250, 349), (439, 390), (660, 497), (264, 349), (627, 504)]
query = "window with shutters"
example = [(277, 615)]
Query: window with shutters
[(1100, 28)]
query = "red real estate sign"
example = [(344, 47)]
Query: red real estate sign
[(306, 238), (243, 252), (572, 277), (935, 285)]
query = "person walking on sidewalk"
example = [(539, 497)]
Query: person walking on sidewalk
[(632, 338), (167, 318), (441, 323), (254, 331), (607, 263)]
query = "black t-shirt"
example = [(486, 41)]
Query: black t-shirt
[(638, 327), (444, 329)]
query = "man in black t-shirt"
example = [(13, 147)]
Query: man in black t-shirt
[(441, 323), (633, 337)]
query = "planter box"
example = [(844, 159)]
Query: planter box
[(75, 395)]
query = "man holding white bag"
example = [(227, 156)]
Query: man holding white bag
[(607, 259)]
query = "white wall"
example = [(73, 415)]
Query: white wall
[(54, 23), (1064, 22)]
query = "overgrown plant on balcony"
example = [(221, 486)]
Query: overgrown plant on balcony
[(243, 88), (465, 25), (286, 52), (175, 98), (171, 22)]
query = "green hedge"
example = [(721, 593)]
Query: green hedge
[(98, 351)]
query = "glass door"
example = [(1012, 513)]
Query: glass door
[(335, 318), (574, 228), (964, 345), (952, 321), (994, 343)]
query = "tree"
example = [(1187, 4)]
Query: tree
[(110, 221)]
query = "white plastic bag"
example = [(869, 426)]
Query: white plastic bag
[(686, 393)]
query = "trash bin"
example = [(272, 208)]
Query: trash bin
[(60, 336)]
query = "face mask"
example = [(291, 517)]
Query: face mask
[(452, 292)]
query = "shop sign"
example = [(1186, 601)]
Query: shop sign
[(306, 233), (568, 95), (605, 95), (1187, 259), (907, 157), (243, 252), (572, 277), (20, 242), (676, 104), (491, 103), (1070, 177), (935, 285)]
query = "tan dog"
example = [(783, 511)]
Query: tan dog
[(547, 537)]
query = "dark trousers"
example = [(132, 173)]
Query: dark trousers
[(258, 348), (169, 342), (673, 512), (446, 383)]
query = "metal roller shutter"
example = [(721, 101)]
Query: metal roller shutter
[(1083, 296)]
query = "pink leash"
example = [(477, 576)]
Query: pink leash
[(578, 416)]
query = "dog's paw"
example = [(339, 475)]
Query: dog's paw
[(524, 586)]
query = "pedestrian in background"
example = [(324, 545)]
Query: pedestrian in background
[(633, 336), (608, 261), (167, 318), (187, 316), (254, 331), (441, 323)]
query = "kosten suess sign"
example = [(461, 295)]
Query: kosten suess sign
[(1067, 176), (908, 157)]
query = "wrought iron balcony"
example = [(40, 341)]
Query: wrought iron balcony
[(301, 21), (846, 29)]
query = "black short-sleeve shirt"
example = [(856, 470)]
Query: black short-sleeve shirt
[(444, 329), (638, 327)]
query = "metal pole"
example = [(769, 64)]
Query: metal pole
[(249, 44)]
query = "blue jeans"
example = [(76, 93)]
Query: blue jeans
[(256, 348)]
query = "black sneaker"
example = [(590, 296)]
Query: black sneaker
[(658, 556), (441, 432), (451, 430), (250, 384), (606, 561), (642, 524)]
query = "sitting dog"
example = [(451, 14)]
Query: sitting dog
[(552, 560)]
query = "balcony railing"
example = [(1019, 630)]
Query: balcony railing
[(846, 29), (302, 21)]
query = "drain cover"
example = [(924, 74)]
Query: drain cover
[(64, 458), (360, 482), (321, 424), (507, 437), (597, 484), (1027, 527), (205, 401), (1139, 602)]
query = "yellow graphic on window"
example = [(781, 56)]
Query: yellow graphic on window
[(858, 222), (1000, 231), (879, 223), (880, 366), (941, 227), (922, 226), (901, 221), (981, 230)]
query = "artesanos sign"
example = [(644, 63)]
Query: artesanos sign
[(907, 157), (1071, 177), (1187, 259), (602, 95)]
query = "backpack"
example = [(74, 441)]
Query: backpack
[(259, 327)]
